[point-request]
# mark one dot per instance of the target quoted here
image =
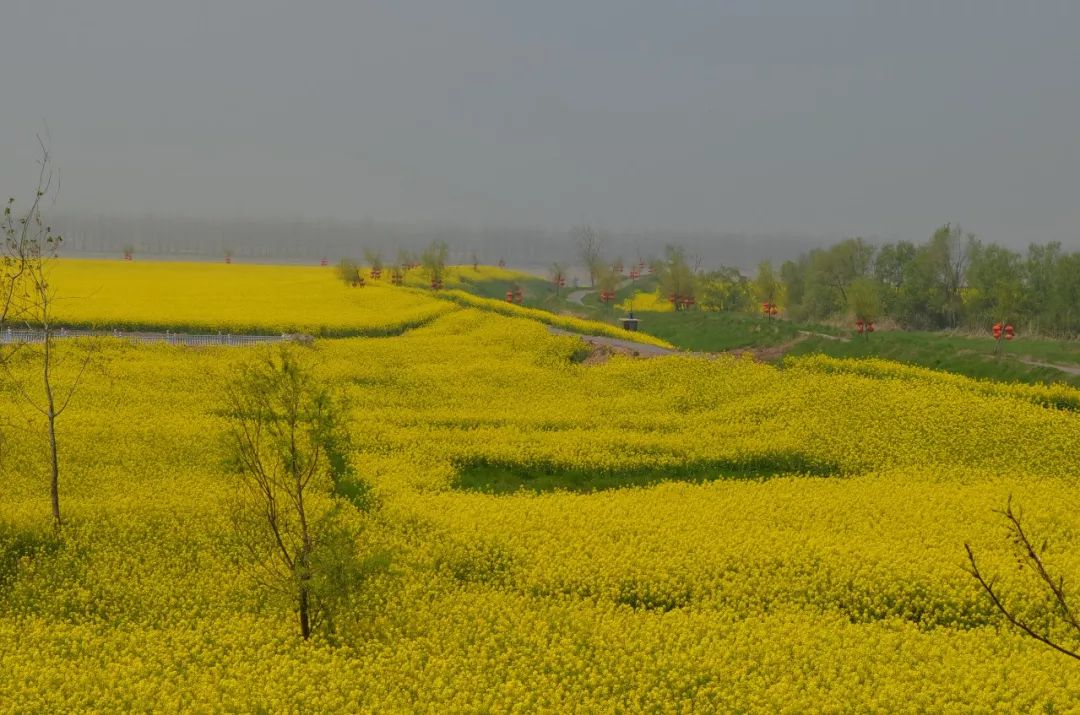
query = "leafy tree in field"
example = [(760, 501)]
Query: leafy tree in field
[(892, 270), (607, 280), (406, 259), (287, 446), (864, 301), (1064, 302), (374, 258), (918, 303), (348, 271), (676, 276), (725, 289), (1051, 291), (819, 299), (996, 282), (946, 258), (1038, 289), (843, 264), (830, 273), (767, 287), (434, 260), (793, 278)]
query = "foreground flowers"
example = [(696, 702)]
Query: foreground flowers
[(794, 540)]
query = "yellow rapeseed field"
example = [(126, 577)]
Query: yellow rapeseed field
[(791, 539), (215, 297)]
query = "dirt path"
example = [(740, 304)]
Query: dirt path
[(617, 344), (629, 347), (773, 353), (577, 297), (807, 334), (1067, 369)]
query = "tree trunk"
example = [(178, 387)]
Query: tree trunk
[(303, 560), (305, 610), (50, 414), (54, 483)]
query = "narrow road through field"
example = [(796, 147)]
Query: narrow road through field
[(617, 343), (1067, 369), (838, 338), (578, 296)]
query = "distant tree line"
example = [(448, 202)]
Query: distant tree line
[(312, 239), (952, 281)]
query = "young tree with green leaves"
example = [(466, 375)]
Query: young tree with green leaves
[(864, 301), (995, 280), (607, 280), (434, 262), (285, 441), (844, 263), (793, 280), (767, 286), (677, 278), (374, 259), (406, 259), (724, 289), (946, 258), (348, 271)]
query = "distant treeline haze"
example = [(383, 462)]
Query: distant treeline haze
[(952, 281), (306, 240)]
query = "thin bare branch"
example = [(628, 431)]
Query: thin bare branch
[(995, 598), (75, 384), (1055, 586)]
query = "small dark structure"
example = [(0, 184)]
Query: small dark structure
[(629, 322)]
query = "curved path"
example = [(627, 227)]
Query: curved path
[(578, 296), (1067, 369), (617, 343)]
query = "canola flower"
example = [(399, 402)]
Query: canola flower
[(794, 544)]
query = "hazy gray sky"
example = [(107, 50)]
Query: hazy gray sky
[(816, 117)]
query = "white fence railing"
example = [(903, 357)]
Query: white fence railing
[(36, 336)]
